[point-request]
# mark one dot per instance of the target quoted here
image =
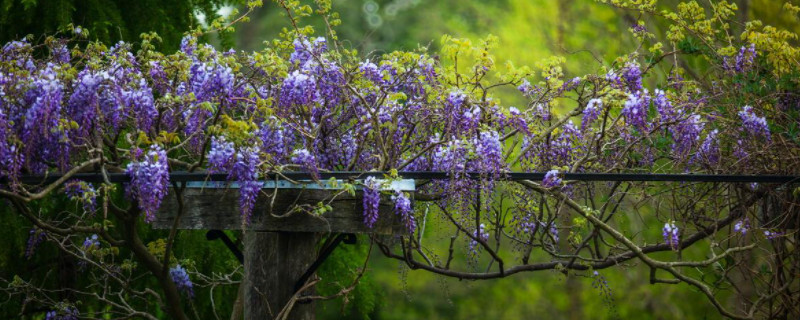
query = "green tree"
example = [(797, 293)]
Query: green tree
[(108, 21)]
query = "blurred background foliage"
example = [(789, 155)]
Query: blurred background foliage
[(109, 21), (588, 34)]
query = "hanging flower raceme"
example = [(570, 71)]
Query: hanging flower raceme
[(633, 76), (372, 199), (686, 134), (744, 60), (181, 279), (475, 246), (298, 89), (35, 238), (149, 180), (591, 113), (245, 171), (753, 124), (241, 166), (402, 207), (305, 51), (489, 151), (708, 152), (276, 138), (307, 161), (139, 99), (220, 156), (663, 106), (635, 110), (42, 136), (670, 233)]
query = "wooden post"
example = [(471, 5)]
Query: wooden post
[(273, 262), (278, 248)]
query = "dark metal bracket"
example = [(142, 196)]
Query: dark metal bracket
[(212, 235), (326, 251)]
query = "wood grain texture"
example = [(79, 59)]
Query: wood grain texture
[(219, 209), (274, 261)]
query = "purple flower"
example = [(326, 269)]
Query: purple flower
[(372, 199), (210, 80), (551, 179), (525, 87), (181, 280), (298, 89), (245, 171), (754, 124), (633, 76), (685, 134), (149, 181), (82, 192), (60, 53), (708, 152), (663, 105), (744, 60), (489, 150), (141, 104), (276, 138), (474, 247), (670, 233), (36, 237), (402, 207), (220, 156), (591, 113), (550, 228), (772, 235), (739, 151), (91, 243), (742, 226), (188, 45), (307, 160), (304, 50), (635, 109), (371, 72), (65, 313), (517, 120)]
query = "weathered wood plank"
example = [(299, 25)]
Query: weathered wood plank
[(218, 208), (273, 262)]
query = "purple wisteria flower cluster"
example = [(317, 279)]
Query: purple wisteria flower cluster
[(403, 208), (181, 279), (83, 192), (67, 313), (149, 180), (551, 179), (35, 238), (241, 166), (91, 243), (744, 61), (753, 124), (671, 235), (474, 246), (371, 202), (742, 226)]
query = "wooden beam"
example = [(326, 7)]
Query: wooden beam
[(218, 208)]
